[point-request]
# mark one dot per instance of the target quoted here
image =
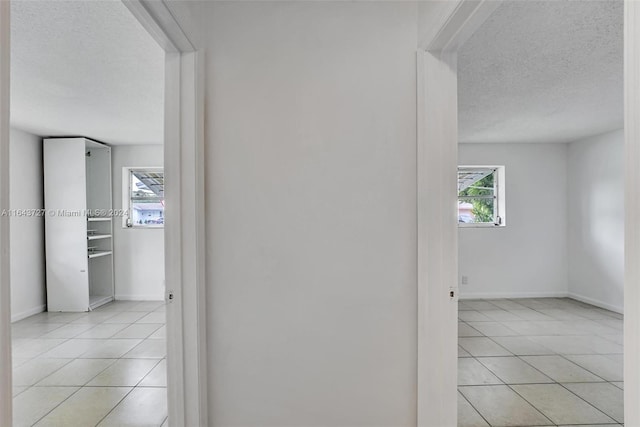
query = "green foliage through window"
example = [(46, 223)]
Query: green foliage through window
[(483, 207)]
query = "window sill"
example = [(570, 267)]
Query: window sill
[(476, 225)]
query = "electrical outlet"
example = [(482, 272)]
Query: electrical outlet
[(464, 280)]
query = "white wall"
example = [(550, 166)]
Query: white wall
[(528, 257), (138, 253), (596, 220), (311, 213), (28, 291)]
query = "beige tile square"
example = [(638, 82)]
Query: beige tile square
[(35, 370), (616, 338), (480, 304), (63, 317), (103, 330), (126, 317), (95, 317), (467, 416), (157, 377), (34, 330), (35, 402), (565, 344), (124, 373), (471, 372), (500, 315), (604, 396), (153, 349), (147, 306), (160, 334), (70, 330), (112, 348), (73, 348), (512, 370), (78, 372), (522, 346), (463, 353), (16, 362), (603, 366), (506, 304), (493, 329), (18, 389), (599, 345), (529, 314), (592, 425), (560, 314), (144, 406), (85, 408), (478, 346), (27, 348), (155, 317), (472, 316), (464, 330), (138, 330), (560, 405), (501, 406), (560, 369)]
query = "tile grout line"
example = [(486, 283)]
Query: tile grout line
[(38, 355), (519, 357), (474, 408)]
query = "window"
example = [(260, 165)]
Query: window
[(481, 199), (144, 193)]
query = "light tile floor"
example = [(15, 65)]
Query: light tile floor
[(538, 362), (102, 368)]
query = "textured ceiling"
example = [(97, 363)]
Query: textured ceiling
[(543, 71), (85, 68)]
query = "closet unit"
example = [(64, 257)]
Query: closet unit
[(78, 224)]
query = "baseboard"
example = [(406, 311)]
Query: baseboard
[(27, 313), (156, 297), (596, 302), (498, 295)]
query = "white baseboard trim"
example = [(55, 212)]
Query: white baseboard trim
[(498, 295), (596, 302), (24, 314), (155, 297)]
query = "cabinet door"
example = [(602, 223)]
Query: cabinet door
[(66, 225)]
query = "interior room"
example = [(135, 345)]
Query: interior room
[(541, 216), (312, 271), (86, 207)]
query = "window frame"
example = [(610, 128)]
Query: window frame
[(127, 205), (499, 197)]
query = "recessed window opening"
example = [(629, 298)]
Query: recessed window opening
[(481, 199), (145, 197)]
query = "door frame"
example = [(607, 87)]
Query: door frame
[(447, 26), (632, 204), (184, 228), (6, 390), (184, 212)]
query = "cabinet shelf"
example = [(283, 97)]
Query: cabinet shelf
[(97, 254), (98, 218), (98, 236)]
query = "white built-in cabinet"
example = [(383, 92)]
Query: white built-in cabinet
[(78, 224)]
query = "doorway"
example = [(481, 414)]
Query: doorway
[(436, 132), (183, 107)]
